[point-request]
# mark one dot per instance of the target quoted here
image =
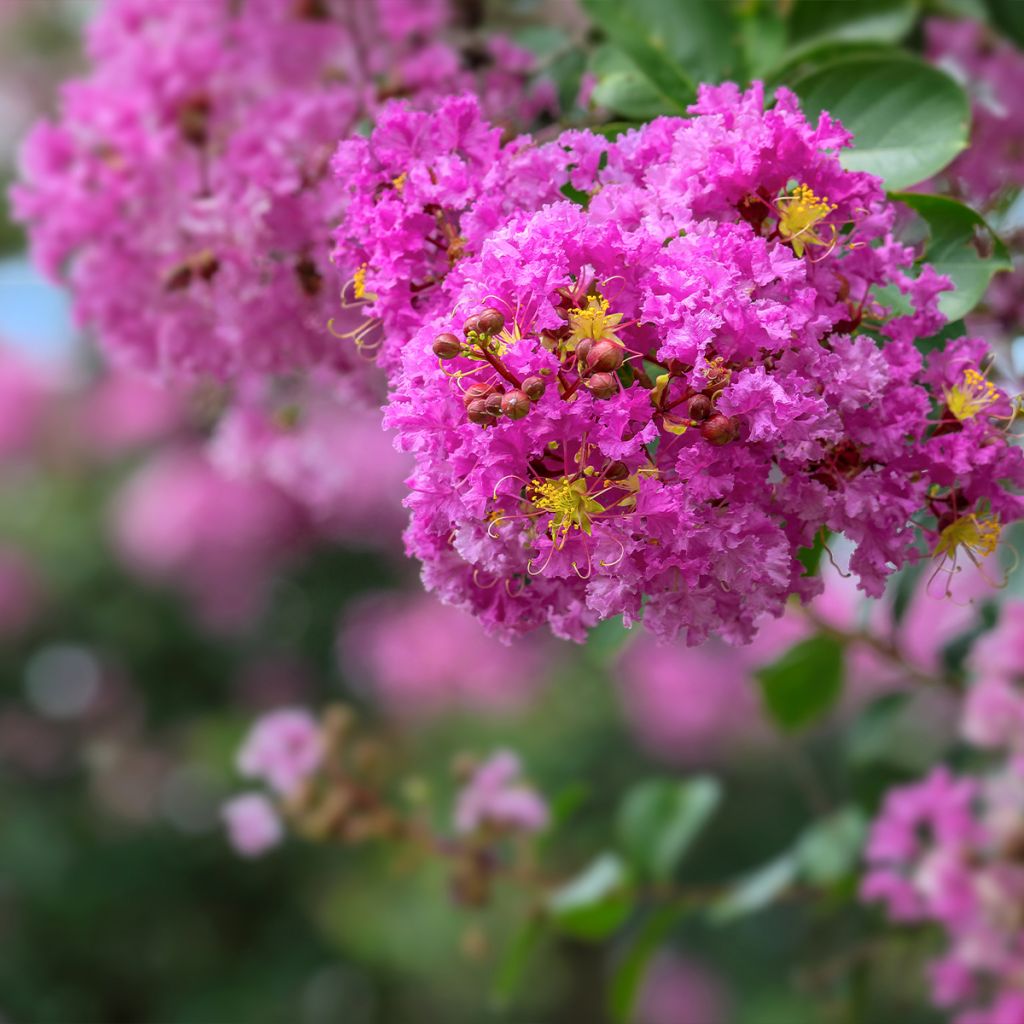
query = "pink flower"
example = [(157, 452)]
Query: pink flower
[(678, 990), (495, 797), (283, 749), (253, 824), (419, 658)]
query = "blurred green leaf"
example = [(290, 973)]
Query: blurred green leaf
[(606, 640), (813, 23), (630, 973), (830, 849), (596, 902), (804, 683), (1008, 15), (757, 890), (660, 818), (909, 120), (514, 962), (960, 245), (623, 88), (665, 41)]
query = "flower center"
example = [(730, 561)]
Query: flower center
[(978, 535), (799, 214), (570, 505), (971, 396), (594, 323)]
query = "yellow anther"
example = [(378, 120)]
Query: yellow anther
[(594, 323), (567, 500), (799, 214), (972, 395), (978, 535)]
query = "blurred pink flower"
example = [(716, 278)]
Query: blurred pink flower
[(496, 797), (25, 394), (123, 412), (420, 657), (678, 990), (179, 521), (253, 824), (282, 749)]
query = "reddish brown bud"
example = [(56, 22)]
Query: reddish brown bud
[(478, 413), (515, 405), (194, 121), (616, 471), (699, 408), (471, 326), (720, 429), (490, 321), (534, 388), (604, 356), (447, 346), (476, 393), (493, 403), (603, 385), (583, 350), (310, 279)]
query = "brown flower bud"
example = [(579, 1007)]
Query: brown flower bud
[(699, 408), (493, 403), (491, 321), (478, 413), (534, 388), (471, 326), (447, 346), (616, 471), (583, 350), (194, 121), (515, 405), (476, 392), (603, 385), (604, 356), (720, 429)]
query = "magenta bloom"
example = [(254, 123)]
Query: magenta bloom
[(419, 657), (497, 798), (283, 749), (253, 824)]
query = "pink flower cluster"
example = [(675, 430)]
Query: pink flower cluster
[(496, 798), (418, 658), (644, 400), (184, 191), (948, 849), (992, 69)]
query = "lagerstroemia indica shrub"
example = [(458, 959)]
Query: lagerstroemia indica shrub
[(647, 372)]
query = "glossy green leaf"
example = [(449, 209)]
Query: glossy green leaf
[(909, 120), (804, 683), (514, 962), (596, 902), (830, 849), (960, 245), (632, 969), (660, 818), (623, 88), (757, 890)]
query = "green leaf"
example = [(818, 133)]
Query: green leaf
[(596, 902), (575, 195), (757, 890), (804, 683), (623, 88), (674, 44), (606, 640), (908, 118), (509, 978), (660, 818), (630, 973), (1008, 15), (813, 23), (830, 849), (960, 245)]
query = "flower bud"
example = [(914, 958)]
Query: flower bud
[(471, 326), (490, 321), (604, 356), (583, 350), (515, 405), (616, 471), (477, 412), (476, 392), (720, 429), (493, 403), (603, 385), (447, 346), (699, 408), (534, 388)]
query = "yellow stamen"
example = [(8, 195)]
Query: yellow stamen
[(594, 322), (971, 396), (399, 182), (359, 283), (568, 502), (978, 535), (798, 215)]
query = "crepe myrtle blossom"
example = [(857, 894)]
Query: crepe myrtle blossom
[(496, 798), (947, 851), (283, 749), (646, 404), (253, 824), (184, 190)]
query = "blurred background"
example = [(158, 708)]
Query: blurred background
[(141, 634)]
